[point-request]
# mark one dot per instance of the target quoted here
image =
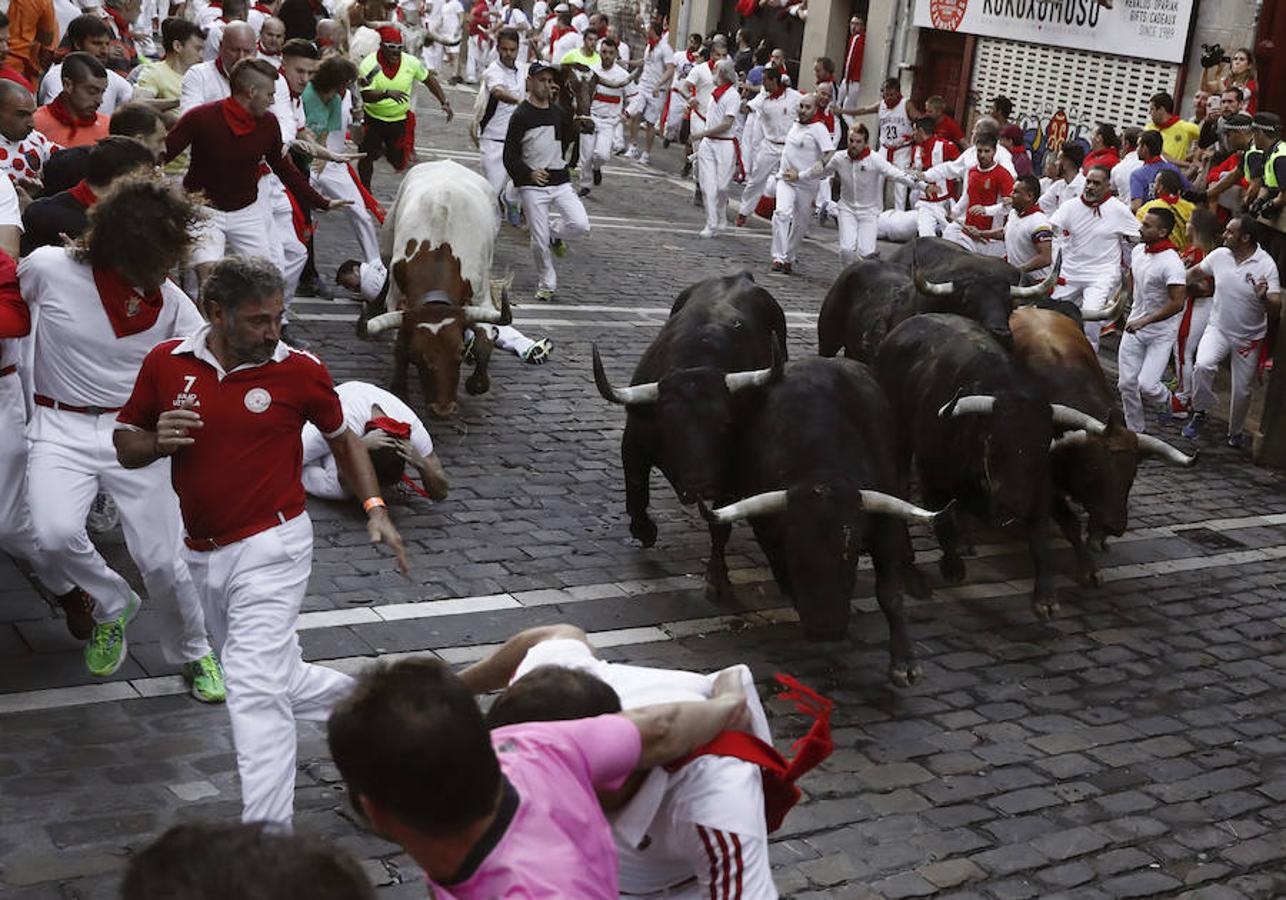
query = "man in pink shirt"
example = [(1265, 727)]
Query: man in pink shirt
[(485, 813)]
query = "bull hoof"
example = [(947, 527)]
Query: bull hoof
[(477, 384), (952, 568), (913, 581), (1090, 578), (719, 591), (1046, 608), (644, 531), (905, 673)]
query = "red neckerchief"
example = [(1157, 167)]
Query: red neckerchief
[(1168, 124), (128, 310), (263, 8), (558, 31), (391, 427), (122, 24), (218, 65), (825, 117), (1097, 207), (1169, 199), (1029, 211), (781, 89), (652, 42), (240, 120), (390, 70), (721, 90), (81, 193), (63, 114), (1160, 246), (1192, 255), (692, 57), (866, 151), (325, 42)]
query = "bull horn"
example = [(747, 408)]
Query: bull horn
[(488, 314), (1151, 446), (1107, 313), (384, 322), (926, 287), (639, 393), (1075, 438), (756, 378), (1039, 290), (878, 502), (769, 503), (973, 404), (1068, 417)]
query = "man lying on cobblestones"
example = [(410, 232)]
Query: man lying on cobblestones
[(249, 862), (695, 832), (497, 813)]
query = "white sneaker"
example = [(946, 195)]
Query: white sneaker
[(706, 232), (632, 152), (103, 515), (645, 159)]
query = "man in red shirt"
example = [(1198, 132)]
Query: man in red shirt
[(980, 209), (229, 139), (227, 405), (852, 74)]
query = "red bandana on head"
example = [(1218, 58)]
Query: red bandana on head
[(128, 310), (392, 427), (240, 120), (81, 193), (389, 35)]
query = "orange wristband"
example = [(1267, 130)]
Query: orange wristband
[(371, 503)]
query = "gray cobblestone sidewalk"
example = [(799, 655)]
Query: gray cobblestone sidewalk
[(1132, 747)]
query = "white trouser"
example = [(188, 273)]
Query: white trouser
[(337, 180), (752, 138), (954, 232), (1243, 359), (791, 218), (475, 60), (241, 232), (491, 155), (1141, 362), (674, 115), (902, 158), (596, 149), (847, 94), (506, 337), (251, 591), (536, 204), (1090, 295), (763, 171), (716, 163), (1185, 350), (897, 225), (72, 459), (16, 536), (294, 255), (858, 230), (930, 218)]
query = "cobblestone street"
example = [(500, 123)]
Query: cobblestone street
[(1135, 746)]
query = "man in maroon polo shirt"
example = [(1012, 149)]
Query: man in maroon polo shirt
[(227, 404), (229, 139)]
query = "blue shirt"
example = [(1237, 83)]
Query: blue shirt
[(1141, 178)]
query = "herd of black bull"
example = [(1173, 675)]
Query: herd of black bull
[(1005, 411)]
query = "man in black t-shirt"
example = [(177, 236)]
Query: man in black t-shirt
[(539, 132)]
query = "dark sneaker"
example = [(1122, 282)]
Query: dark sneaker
[(78, 606), (1239, 441), (598, 176), (787, 268), (1193, 429)]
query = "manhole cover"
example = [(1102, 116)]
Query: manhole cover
[(1213, 540)]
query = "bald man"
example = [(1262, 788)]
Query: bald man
[(271, 36), (207, 82)]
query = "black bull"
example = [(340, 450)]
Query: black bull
[(724, 341), (822, 484), (871, 297)]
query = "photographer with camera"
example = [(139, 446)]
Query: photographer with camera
[(1267, 170)]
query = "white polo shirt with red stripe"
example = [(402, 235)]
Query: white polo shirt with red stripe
[(608, 102), (78, 359), (242, 474), (707, 818), (1025, 234)]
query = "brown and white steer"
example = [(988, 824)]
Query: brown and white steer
[(437, 242)]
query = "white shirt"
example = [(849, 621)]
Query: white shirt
[(78, 358), (580, 22), (1238, 312), (956, 169), (717, 111), (357, 399), (371, 276), (512, 80), (564, 45), (202, 84), (1059, 192), (119, 90), (655, 59), (776, 114), (701, 79), (1090, 238), (862, 180), (515, 18), (656, 835), (805, 145), (1154, 274), (1024, 236), (448, 21), (1121, 173), (10, 213), (895, 127), (274, 61), (605, 109)]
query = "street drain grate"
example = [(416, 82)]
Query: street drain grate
[(1212, 540)]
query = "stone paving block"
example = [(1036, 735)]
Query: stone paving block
[(1024, 801), (1071, 843), (1009, 859), (907, 884), (834, 869), (1143, 883)]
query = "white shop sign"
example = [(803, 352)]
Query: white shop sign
[(1147, 29)]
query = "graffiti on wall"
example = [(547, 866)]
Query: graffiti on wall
[(1045, 134)]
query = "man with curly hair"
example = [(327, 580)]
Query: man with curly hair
[(85, 360)]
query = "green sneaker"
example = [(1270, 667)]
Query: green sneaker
[(559, 246), (107, 647), (545, 295), (205, 677)]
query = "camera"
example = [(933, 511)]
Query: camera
[(1212, 55)]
